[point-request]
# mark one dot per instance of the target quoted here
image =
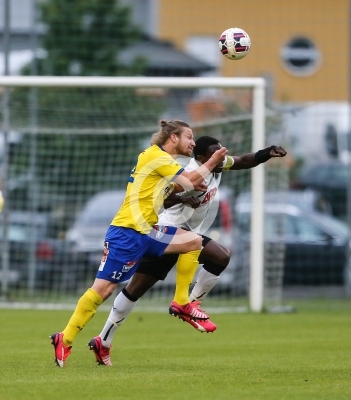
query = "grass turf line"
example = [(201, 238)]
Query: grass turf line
[(304, 355)]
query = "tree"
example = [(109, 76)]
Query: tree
[(84, 37), (81, 37)]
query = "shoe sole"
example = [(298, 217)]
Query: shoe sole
[(197, 326)]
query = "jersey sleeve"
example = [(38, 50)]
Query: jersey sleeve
[(167, 167)]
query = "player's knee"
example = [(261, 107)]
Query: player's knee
[(223, 258), (185, 242), (196, 244), (107, 292), (104, 288), (192, 243)]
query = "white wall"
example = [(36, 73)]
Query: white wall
[(21, 15), (145, 14), (306, 127)]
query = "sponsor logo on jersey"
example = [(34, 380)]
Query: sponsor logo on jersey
[(104, 256), (160, 230), (129, 265), (209, 196)]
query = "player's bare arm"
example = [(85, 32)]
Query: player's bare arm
[(189, 180), (251, 160), (173, 199), (202, 187)]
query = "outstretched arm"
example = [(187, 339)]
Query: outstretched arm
[(189, 180), (251, 160)]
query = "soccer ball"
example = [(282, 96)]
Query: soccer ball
[(234, 43)]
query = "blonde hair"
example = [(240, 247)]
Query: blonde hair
[(175, 126)]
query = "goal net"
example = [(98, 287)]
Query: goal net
[(68, 146)]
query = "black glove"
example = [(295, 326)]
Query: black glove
[(264, 155)]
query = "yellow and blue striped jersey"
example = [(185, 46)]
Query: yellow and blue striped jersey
[(149, 184)]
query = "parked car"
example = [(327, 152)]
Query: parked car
[(330, 179), (87, 233), (312, 245), (307, 200), (86, 236), (34, 251)]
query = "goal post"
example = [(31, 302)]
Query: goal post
[(257, 208), (258, 140)]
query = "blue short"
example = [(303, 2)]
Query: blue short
[(124, 248)]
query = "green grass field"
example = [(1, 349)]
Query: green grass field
[(302, 355)]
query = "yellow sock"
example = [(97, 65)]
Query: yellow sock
[(185, 271), (85, 310)]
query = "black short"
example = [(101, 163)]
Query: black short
[(160, 266)]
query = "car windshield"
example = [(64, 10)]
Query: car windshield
[(21, 232), (336, 225), (97, 216), (284, 224), (339, 174), (101, 209), (321, 173)]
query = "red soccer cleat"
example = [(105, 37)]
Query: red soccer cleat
[(102, 354), (61, 350), (200, 325), (188, 310)]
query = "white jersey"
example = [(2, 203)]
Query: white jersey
[(186, 217)]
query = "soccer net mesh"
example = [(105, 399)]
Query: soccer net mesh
[(67, 157)]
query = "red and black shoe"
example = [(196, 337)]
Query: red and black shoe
[(61, 350), (189, 310), (102, 353)]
